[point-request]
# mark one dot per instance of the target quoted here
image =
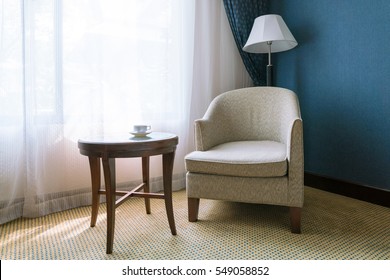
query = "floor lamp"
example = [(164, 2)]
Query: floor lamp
[(269, 34)]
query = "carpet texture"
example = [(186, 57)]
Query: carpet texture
[(334, 227)]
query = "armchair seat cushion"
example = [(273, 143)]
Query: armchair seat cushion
[(241, 158)]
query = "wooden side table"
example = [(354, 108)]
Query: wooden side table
[(109, 147)]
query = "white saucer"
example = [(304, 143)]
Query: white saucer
[(140, 134)]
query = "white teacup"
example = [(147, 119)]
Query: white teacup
[(141, 128)]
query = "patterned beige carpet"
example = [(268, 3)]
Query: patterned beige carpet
[(333, 227)]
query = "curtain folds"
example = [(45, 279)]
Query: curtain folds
[(72, 68), (241, 15)]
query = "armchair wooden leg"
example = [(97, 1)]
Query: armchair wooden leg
[(295, 219), (193, 209)]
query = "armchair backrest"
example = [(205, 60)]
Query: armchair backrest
[(256, 113)]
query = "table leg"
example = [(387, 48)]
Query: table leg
[(168, 160), (94, 164), (110, 184), (146, 181)]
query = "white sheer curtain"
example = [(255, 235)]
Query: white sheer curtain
[(74, 67)]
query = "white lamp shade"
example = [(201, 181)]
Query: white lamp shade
[(269, 28)]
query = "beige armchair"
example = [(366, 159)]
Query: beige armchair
[(249, 148)]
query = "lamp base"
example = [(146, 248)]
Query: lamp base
[(270, 81)]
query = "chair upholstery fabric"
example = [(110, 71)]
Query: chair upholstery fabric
[(241, 158), (249, 148)]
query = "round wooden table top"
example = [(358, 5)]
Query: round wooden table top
[(127, 145)]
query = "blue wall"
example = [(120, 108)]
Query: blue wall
[(341, 73)]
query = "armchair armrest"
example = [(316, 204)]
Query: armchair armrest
[(295, 164), (209, 134)]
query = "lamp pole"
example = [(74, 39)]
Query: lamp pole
[(269, 66)]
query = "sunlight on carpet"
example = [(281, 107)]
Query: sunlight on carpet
[(333, 227)]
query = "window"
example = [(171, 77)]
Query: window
[(109, 56)]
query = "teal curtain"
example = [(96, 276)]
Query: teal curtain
[(241, 15)]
